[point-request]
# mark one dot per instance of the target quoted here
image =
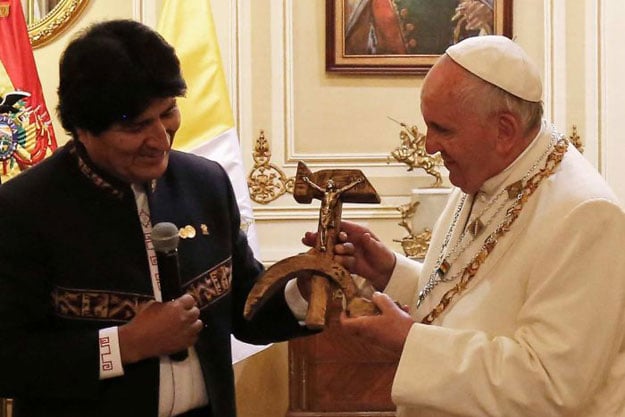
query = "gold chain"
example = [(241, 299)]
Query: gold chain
[(553, 160)]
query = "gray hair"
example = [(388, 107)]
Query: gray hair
[(486, 99)]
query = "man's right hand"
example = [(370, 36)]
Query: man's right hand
[(160, 329), (362, 253)]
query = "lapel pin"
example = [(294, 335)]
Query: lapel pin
[(187, 232)]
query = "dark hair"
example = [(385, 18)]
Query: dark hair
[(111, 73)]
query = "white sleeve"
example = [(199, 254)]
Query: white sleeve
[(404, 280), (294, 299)]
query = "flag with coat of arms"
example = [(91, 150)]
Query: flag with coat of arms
[(26, 132)]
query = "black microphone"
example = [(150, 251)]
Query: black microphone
[(165, 239)]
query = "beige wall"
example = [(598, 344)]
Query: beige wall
[(262, 383)]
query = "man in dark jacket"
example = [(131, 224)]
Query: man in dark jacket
[(84, 328)]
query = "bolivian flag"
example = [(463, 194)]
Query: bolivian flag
[(26, 133)]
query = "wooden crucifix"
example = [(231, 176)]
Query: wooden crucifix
[(333, 187)]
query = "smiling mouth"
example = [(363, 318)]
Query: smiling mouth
[(154, 155)]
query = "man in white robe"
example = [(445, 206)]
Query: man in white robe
[(519, 306)]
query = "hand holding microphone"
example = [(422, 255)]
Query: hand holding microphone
[(165, 239), (170, 326), (159, 329)]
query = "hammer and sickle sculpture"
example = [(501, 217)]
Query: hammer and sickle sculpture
[(333, 187)]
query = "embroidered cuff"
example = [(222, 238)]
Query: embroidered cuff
[(110, 357)]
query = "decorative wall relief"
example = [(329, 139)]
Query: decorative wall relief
[(266, 181), (411, 151), (414, 245), (576, 140)]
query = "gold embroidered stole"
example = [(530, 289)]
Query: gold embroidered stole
[(490, 242)]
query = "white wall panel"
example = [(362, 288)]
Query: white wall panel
[(612, 102)]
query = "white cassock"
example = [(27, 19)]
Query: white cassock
[(540, 329)]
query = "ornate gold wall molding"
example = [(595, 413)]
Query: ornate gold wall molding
[(266, 181), (414, 245), (576, 140), (411, 151)]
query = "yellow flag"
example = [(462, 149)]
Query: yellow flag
[(207, 120), (188, 26)]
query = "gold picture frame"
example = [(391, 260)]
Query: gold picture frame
[(53, 23), (411, 34)]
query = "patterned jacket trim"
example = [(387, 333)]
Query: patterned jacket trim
[(211, 285), (90, 304), (91, 174)]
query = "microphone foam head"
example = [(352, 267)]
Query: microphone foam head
[(165, 237)]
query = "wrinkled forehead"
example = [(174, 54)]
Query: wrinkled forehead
[(443, 80)]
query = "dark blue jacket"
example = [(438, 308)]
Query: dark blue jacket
[(73, 261)]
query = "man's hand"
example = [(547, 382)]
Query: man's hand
[(387, 330), (160, 329), (361, 253)]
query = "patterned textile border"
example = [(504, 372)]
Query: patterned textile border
[(121, 306), (211, 285)]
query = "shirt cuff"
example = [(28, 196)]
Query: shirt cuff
[(110, 356), (296, 302)]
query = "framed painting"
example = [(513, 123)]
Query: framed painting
[(405, 36)]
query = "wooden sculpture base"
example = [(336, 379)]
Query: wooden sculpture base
[(332, 374)]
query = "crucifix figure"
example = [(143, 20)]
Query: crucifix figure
[(332, 187), (331, 196)]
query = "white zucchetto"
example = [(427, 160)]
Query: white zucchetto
[(499, 61)]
